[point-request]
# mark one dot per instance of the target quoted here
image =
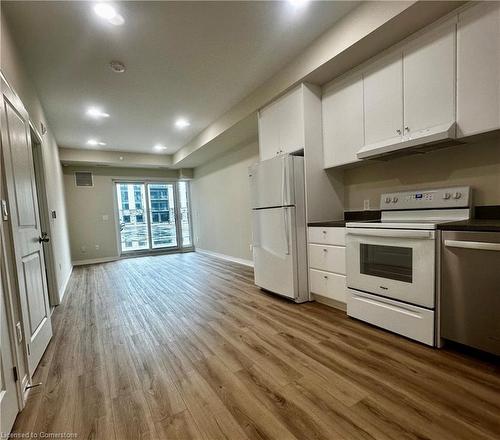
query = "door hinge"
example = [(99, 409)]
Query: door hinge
[(29, 351), (14, 371)]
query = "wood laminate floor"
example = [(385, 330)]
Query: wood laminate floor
[(186, 347)]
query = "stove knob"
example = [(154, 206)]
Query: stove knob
[(387, 200), (457, 195), (394, 199), (446, 196)]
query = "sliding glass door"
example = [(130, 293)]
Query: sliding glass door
[(153, 216), (131, 198), (162, 215)]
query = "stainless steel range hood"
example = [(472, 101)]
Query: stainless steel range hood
[(425, 140)]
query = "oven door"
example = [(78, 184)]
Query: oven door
[(393, 263)]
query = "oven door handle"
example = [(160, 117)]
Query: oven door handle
[(479, 245), (395, 233)]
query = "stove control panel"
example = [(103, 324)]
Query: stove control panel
[(456, 197)]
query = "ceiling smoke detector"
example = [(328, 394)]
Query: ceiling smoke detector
[(117, 66)]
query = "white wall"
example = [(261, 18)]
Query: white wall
[(86, 207), (220, 195), (475, 164), (15, 73)]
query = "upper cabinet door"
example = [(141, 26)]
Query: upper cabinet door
[(383, 100), (269, 139), (281, 125), (342, 109), (291, 111), (429, 81), (478, 69)]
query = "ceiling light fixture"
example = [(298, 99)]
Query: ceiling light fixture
[(298, 3), (160, 147), (182, 123), (117, 66), (95, 143), (108, 12), (96, 113)]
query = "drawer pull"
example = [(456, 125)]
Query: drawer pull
[(325, 277), (324, 232), (325, 250)]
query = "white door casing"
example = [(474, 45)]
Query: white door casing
[(8, 393), (25, 227)]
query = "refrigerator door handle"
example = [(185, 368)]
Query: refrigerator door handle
[(287, 234)]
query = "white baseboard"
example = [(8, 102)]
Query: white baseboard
[(226, 257), (62, 289), (94, 261)]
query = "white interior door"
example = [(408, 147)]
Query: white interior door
[(8, 397), (25, 227), (274, 250)]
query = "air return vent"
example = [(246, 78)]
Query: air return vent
[(84, 178)]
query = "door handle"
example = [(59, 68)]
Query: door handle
[(478, 245), (44, 238)]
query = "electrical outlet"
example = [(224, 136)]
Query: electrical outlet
[(97, 247), (83, 249), (366, 204), (251, 247)]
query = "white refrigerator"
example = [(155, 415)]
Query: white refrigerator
[(279, 226)]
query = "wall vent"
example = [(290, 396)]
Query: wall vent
[(84, 178)]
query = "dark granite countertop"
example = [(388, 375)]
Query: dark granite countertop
[(482, 225), (328, 224), (349, 216)]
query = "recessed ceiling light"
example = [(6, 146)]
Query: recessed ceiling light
[(95, 142), (182, 123), (298, 3), (160, 147), (96, 113), (108, 12)]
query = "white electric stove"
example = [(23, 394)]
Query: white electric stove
[(392, 263)]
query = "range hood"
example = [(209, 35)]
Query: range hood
[(422, 141)]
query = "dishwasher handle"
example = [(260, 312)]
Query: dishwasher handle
[(478, 245)]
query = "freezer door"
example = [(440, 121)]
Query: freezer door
[(274, 250), (271, 182)]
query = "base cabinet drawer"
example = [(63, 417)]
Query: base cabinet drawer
[(327, 258), (330, 285), (333, 236)]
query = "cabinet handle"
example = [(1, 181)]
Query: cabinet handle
[(407, 128), (325, 277), (324, 232), (325, 250), (398, 131)]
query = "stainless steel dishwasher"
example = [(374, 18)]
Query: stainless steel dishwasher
[(470, 289)]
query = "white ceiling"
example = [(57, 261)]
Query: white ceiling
[(189, 59)]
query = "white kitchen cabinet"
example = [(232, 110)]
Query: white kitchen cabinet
[(478, 69), (281, 125), (429, 81), (342, 113), (383, 100), (326, 235), (327, 265), (327, 257), (327, 284)]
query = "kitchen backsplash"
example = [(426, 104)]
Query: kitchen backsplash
[(475, 164)]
